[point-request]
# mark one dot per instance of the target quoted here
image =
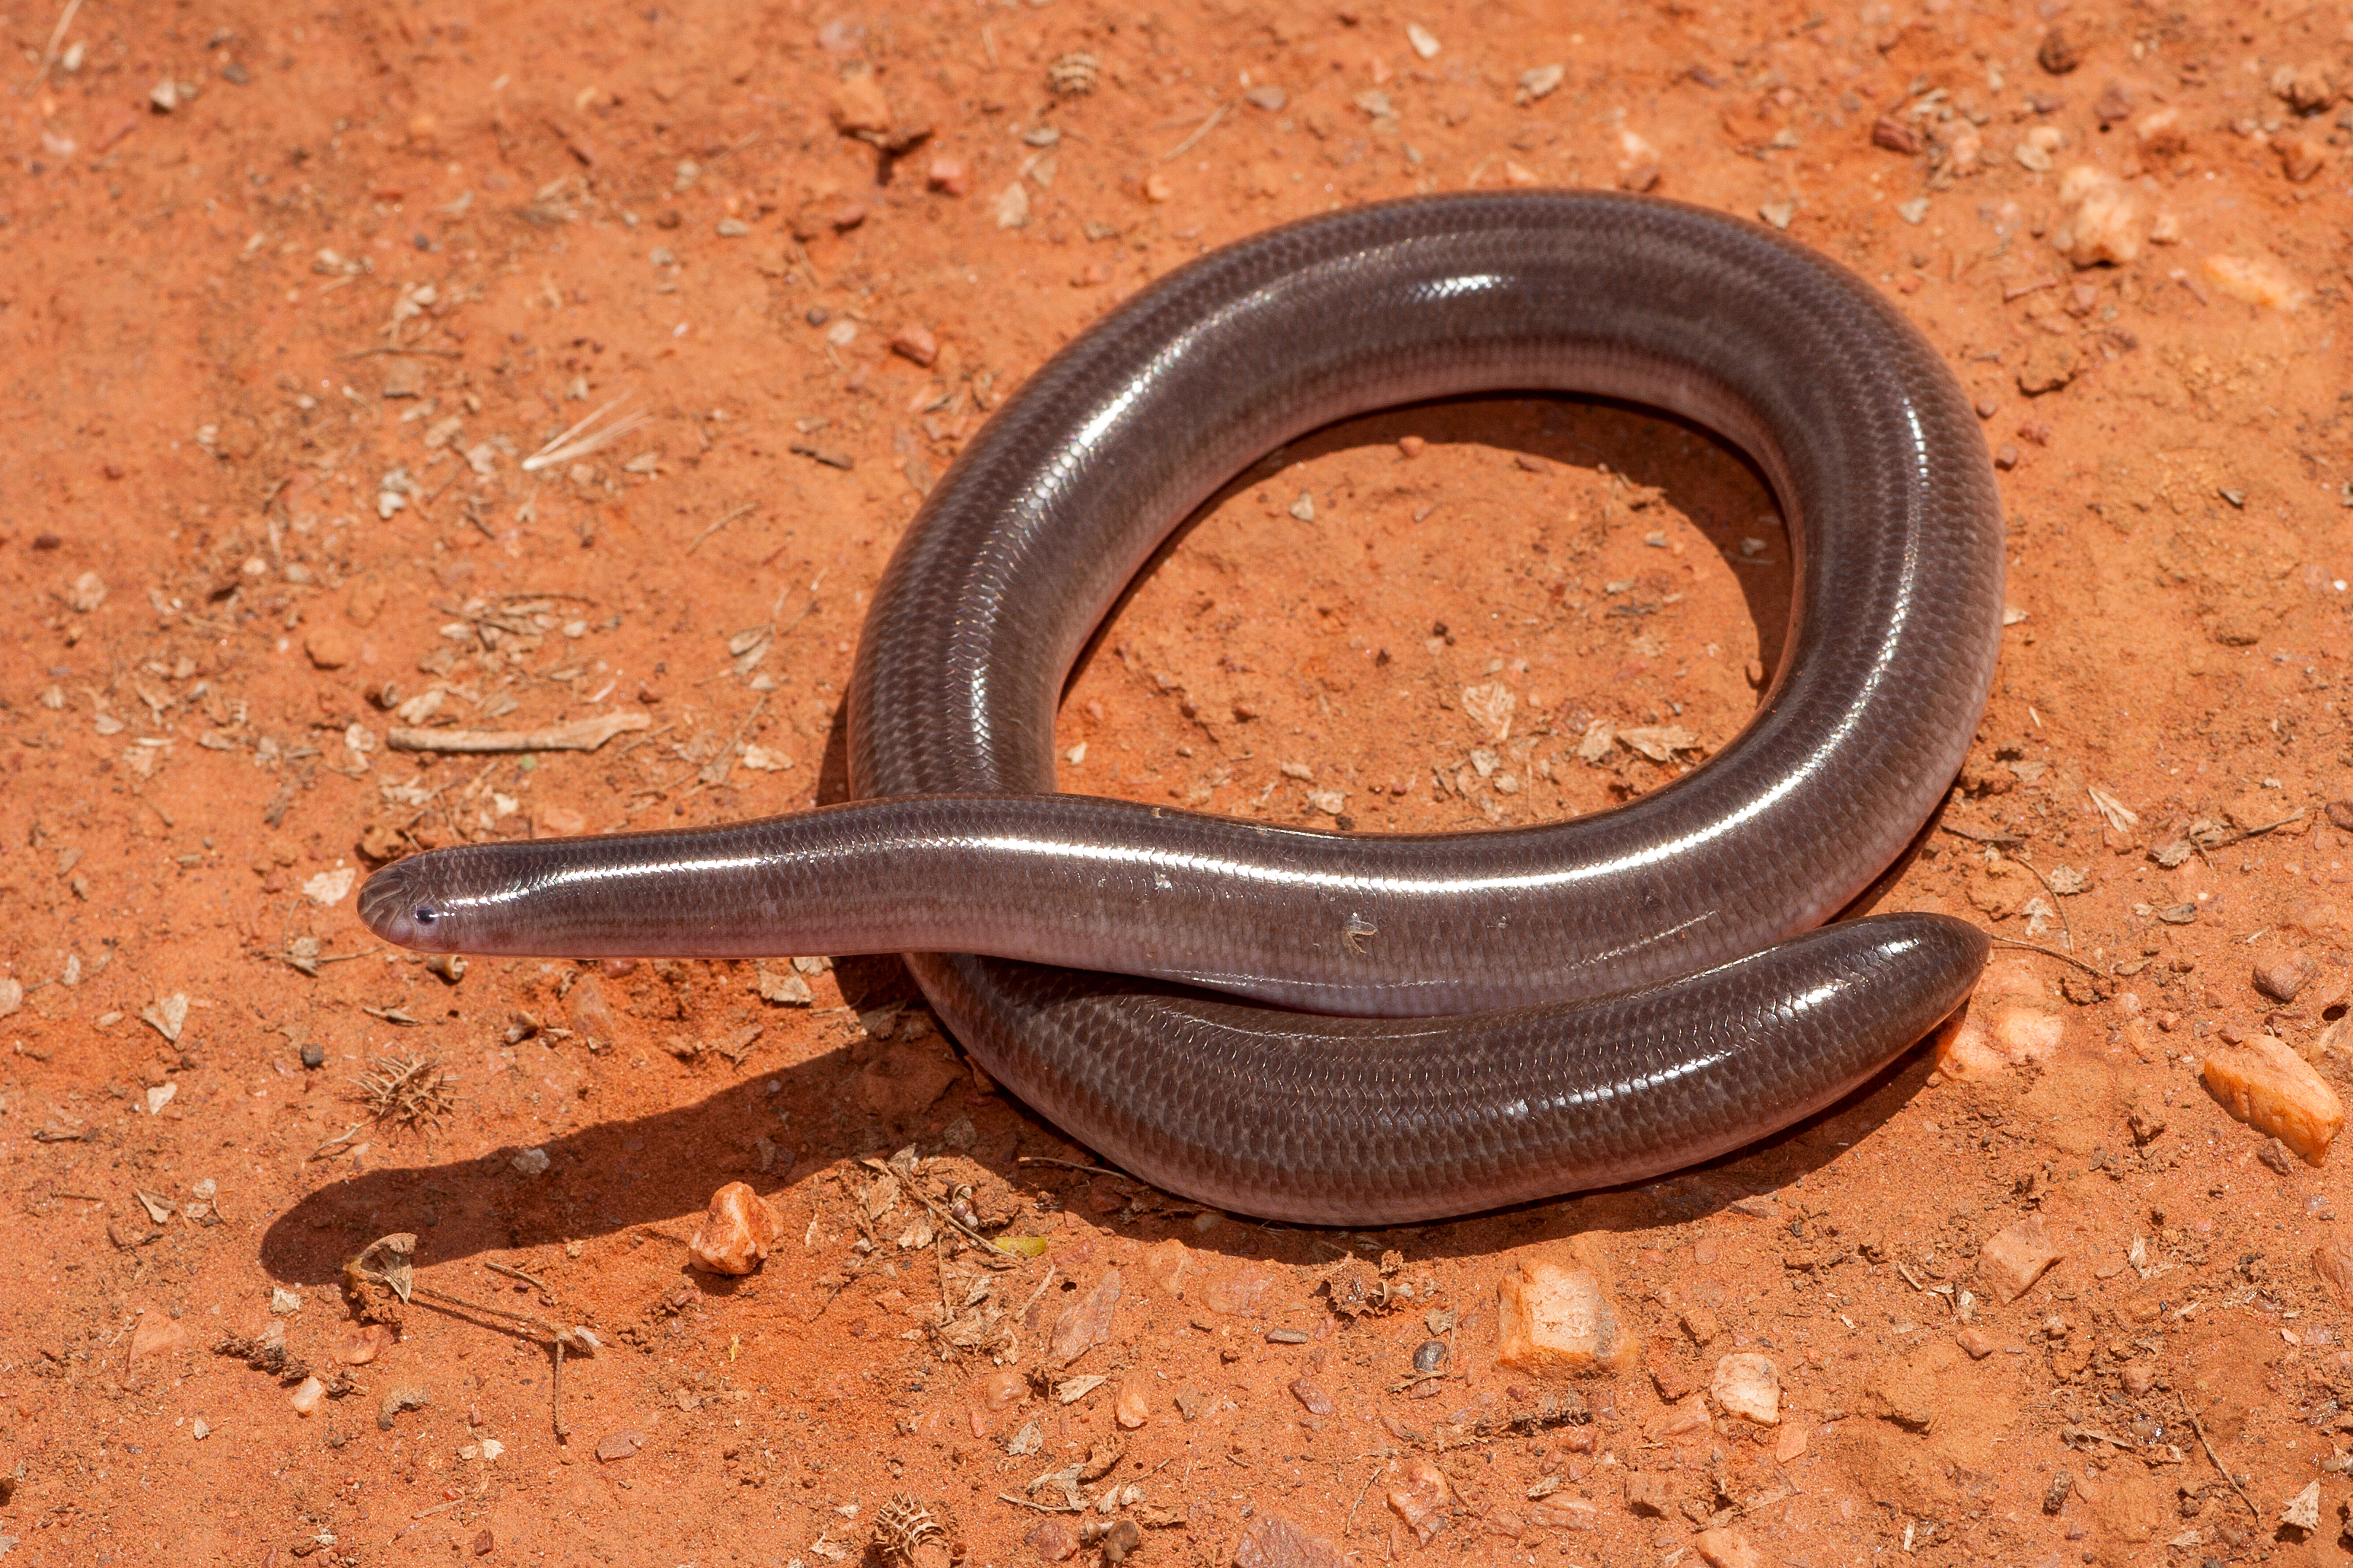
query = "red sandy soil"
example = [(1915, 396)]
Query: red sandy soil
[(542, 209)]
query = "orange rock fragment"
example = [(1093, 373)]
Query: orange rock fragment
[(1989, 1040), (2332, 1262), (363, 1342), (2014, 1257), (2267, 1086), (860, 109), (1727, 1549), (737, 1233), (1558, 1319), (1418, 1493), (1748, 1385), (157, 1335)]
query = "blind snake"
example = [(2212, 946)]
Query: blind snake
[(1361, 1028)]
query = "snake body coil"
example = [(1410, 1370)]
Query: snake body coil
[(1492, 1017)]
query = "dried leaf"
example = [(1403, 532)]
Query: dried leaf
[(167, 1016), (1078, 1388), (2119, 815), (389, 1261), (1659, 743)]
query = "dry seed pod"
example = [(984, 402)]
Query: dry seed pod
[(907, 1525), (1073, 75)]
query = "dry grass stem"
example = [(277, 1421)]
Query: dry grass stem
[(582, 439)]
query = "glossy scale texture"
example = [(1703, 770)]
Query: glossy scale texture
[(1597, 1000)]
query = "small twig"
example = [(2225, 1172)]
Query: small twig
[(2058, 905), (1359, 1502), (2216, 1459), (535, 1320), (513, 1273), (457, 473), (1037, 1292), (2245, 833), (579, 735), (344, 1136), (808, 265), (723, 521), (1025, 1502), (555, 1392), (732, 150), (579, 441), (2047, 953), (1200, 131), (1073, 1165), (1998, 840), (848, 1275), (389, 349), (991, 1252), (56, 36)]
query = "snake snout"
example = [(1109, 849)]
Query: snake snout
[(398, 906)]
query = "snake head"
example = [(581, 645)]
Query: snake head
[(403, 904)]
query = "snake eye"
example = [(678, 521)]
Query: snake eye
[(425, 914)]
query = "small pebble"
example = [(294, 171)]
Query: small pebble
[(1002, 1390), (1311, 1396), (737, 1233), (1132, 1408), (1286, 1337), (1052, 1542), (1418, 1494), (949, 176), (330, 647), (1894, 135), (916, 343), (1559, 1318), (2266, 1085), (1267, 97), (363, 1342), (315, 1055), (1747, 1385), (2014, 1257), (2283, 977), (1429, 1356), (1727, 1549)]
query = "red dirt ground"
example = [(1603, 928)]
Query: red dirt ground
[(288, 296)]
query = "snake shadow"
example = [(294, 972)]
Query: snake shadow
[(654, 1174)]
